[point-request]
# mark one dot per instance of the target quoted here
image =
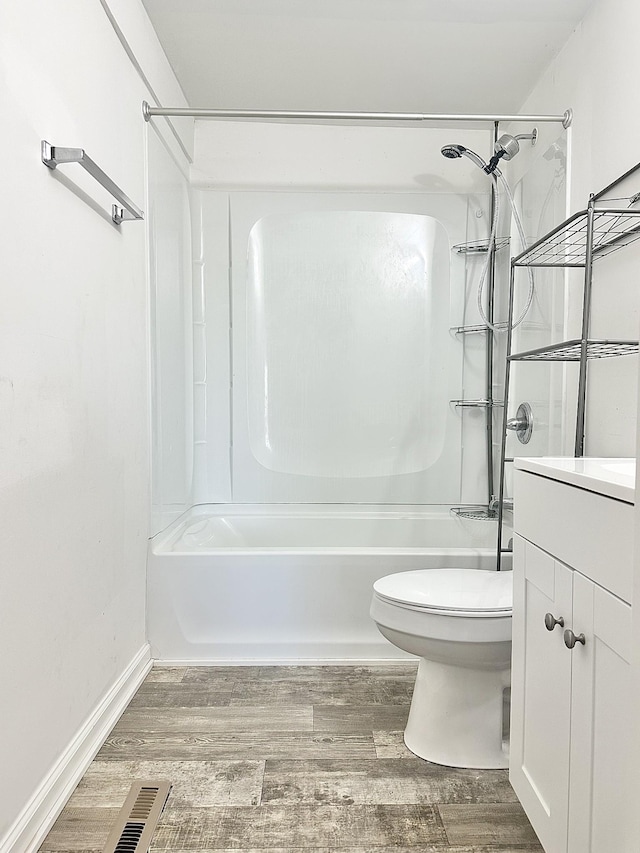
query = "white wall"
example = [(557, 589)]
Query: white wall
[(595, 75), (299, 157), (74, 424)]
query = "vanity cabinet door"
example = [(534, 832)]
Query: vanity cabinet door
[(541, 692), (601, 699)]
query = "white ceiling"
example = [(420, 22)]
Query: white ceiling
[(462, 56)]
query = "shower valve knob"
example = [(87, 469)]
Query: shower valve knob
[(517, 423), (550, 621), (522, 424), (570, 639)]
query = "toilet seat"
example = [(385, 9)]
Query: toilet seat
[(453, 592)]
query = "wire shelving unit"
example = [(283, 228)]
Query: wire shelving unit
[(578, 242)]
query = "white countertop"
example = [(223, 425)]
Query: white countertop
[(615, 478)]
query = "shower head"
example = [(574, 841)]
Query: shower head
[(508, 146), (505, 148), (453, 151)]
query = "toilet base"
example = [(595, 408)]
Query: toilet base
[(456, 716)]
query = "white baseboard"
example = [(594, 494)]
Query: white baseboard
[(38, 816), (396, 661)]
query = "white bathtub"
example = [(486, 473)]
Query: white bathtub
[(292, 583)]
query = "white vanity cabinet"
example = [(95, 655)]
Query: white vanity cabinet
[(570, 719)]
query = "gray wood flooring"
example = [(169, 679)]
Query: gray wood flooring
[(288, 759)]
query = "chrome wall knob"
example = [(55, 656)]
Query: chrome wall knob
[(570, 639), (550, 621), (522, 424)]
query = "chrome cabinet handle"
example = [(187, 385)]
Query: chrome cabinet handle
[(570, 639), (550, 621)]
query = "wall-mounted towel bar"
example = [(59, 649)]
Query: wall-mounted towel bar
[(54, 155)]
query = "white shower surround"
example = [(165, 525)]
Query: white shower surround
[(230, 584), (230, 423), (280, 562)]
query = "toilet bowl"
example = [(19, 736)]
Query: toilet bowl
[(458, 622)]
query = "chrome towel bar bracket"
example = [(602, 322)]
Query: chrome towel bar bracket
[(54, 155)]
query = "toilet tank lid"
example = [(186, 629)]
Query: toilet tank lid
[(450, 589)]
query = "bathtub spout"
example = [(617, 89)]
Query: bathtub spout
[(494, 503)]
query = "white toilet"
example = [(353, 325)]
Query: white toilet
[(458, 622)]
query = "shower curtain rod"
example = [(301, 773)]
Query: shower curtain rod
[(148, 112)]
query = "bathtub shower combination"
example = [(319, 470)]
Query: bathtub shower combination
[(285, 584), (325, 394)]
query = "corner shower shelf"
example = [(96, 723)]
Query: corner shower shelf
[(476, 404), (469, 330), (478, 513), (479, 247), (567, 245), (572, 351)]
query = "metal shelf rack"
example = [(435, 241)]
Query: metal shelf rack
[(577, 242), (568, 245), (572, 351)]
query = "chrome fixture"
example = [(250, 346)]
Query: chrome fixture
[(494, 503), (522, 424), (508, 146), (505, 148), (570, 639), (149, 112), (453, 152), (550, 621), (54, 155)]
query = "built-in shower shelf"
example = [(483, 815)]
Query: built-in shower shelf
[(478, 513), (479, 247), (572, 350), (481, 328), (476, 404), (469, 330), (566, 245)]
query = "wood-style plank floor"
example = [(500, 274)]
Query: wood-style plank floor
[(288, 759)]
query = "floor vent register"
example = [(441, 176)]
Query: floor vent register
[(138, 818)]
